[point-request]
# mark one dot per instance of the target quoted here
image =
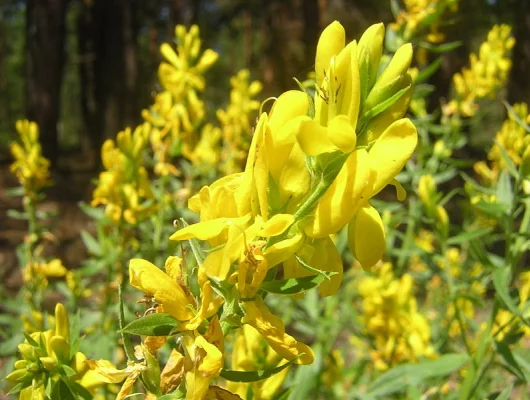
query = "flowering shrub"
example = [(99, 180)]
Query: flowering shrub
[(262, 254)]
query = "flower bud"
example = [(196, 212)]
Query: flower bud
[(61, 348), (366, 237), (369, 53), (48, 362), (18, 375), (151, 375), (19, 364), (390, 81), (61, 322), (27, 351)]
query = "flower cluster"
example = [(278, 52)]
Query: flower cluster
[(514, 140), (30, 167), (487, 73), (391, 319), (124, 187), (178, 112), (236, 121), (314, 163), (419, 15), (49, 368)]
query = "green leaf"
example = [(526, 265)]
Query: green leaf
[(96, 213), (152, 325), (508, 161), (76, 389), (506, 354), (494, 210), (505, 394), (314, 270), (254, 376), (15, 214), (465, 237), (293, 285), (504, 190), (15, 192), (92, 245), (308, 377), (398, 378), (501, 282), (169, 397), (61, 391), (431, 69), (516, 117), (69, 371), (440, 48)]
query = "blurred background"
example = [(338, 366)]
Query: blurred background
[(84, 69)]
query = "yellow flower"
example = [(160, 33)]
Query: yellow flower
[(169, 290), (272, 329), (391, 320), (487, 73), (30, 167), (45, 355), (236, 121), (251, 353)]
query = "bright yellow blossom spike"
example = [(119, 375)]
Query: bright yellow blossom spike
[(341, 200), (208, 229), (272, 329), (366, 237), (152, 281), (391, 151), (331, 42)]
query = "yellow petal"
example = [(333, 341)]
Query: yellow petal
[(218, 393), (173, 267), (313, 138), (342, 134), (209, 307), (330, 43), (343, 198), (152, 281), (272, 329), (391, 151), (173, 372), (366, 237), (295, 179), (327, 258), (208, 229), (276, 225), (108, 371), (281, 251), (212, 363), (289, 105)]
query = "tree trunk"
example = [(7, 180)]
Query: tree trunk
[(45, 57), (109, 67)]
